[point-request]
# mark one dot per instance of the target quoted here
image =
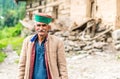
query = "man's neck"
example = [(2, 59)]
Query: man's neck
[(41, 38)]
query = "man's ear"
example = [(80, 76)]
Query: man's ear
[(34, 27), (49, 27)]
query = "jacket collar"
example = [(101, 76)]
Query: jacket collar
[(34, 37)]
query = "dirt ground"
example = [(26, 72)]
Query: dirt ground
[(97, 66)]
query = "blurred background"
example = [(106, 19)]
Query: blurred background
[(90, 30), (10, 28)]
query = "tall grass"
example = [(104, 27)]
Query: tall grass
[(2, 56), (10, 36)]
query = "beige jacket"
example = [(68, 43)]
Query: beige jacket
[(55, 57)]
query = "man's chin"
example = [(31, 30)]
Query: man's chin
[(41, 34)]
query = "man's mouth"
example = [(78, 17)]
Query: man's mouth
[(41, 31)]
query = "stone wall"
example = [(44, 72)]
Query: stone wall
[(107, 10), (78, 11), (116, 39), (75, 44), (70, 11)]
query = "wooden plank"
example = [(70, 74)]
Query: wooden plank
[(82, 25), (104, 32)]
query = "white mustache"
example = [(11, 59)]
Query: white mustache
[(41, 31)]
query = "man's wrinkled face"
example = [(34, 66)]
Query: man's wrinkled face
[(41, 28)]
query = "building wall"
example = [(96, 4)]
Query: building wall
[(64, 12), (78, 11), (118, 15), (107, 10), (70, 11)]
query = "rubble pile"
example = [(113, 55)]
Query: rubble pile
[(89, 37), (116, 39), (75, 43), (84, 38)]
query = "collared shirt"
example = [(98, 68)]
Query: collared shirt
[(40, 71)]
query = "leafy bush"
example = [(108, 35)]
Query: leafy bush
[(10, 36), (2, 56), (16, 43), (17, 61), (11, 12), (8, 32), (4, 43)]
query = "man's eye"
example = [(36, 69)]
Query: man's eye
[(38, 25), (41, 25), (44, 24)]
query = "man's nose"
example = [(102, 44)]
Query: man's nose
[(41, 27)]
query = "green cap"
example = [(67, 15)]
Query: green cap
[(42, 19)]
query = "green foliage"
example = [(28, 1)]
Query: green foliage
[(118, 57), (2, 56), (11, 12), (10, 32), (10, 35), (17, 61), (4, 43), (16, 43)]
